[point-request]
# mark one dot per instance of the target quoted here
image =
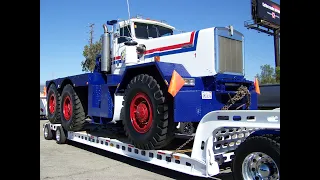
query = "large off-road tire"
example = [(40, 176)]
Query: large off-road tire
[(72, 111), (145, 114), (53, 105), (257, 157)]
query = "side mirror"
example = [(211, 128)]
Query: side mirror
[(112, 22), (131, 43)]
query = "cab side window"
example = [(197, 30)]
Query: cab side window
[(125, 31)]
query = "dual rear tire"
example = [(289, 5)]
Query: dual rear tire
[(65, 108), (60, 134), (146, 116)]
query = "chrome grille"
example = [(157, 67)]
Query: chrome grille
[(230, 55)]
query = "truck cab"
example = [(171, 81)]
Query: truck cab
[(205, 52), (139, 30)]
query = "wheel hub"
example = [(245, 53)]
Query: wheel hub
[(141, 113), (46, 132), (58, 135), (264, 170), (67, 108), (188, 128), (259, 166), (52, 103)]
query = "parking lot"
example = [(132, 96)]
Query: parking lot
[(75, 161)]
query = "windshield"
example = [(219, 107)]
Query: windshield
[(148, 31)]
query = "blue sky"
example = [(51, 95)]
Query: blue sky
[(64, 28)]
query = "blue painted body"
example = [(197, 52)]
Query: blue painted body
[(101, 89), (188, 103), (190, 107), (165, 70), (77, 80)]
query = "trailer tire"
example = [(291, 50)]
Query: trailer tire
[(53, 105), (152, 106), (47, 132), (61, 135), (73, 114), (246, 166)]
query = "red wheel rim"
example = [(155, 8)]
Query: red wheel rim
[(67, 109), (141, 113), (52, 103)]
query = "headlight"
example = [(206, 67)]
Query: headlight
[(189, 81)]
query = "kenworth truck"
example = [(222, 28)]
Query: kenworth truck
[(154, 85)]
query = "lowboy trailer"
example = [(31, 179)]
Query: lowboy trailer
[(250, 139)]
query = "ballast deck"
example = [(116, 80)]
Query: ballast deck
[(214, 141)]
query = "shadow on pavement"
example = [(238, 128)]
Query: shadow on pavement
[(149, 167)]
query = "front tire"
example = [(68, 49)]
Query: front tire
[(258, 157), (145, 114), (73, 114)]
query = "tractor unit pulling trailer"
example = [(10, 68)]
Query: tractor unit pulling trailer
[(156, 87)]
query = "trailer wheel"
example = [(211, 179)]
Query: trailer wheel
[(258, 157), (53, 105), (186, 128), (145, 114), (47, 132), (60, 135), (73, 115)]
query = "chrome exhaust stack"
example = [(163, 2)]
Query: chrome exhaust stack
[(106, 53)]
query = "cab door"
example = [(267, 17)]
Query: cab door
[(118, 61)]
